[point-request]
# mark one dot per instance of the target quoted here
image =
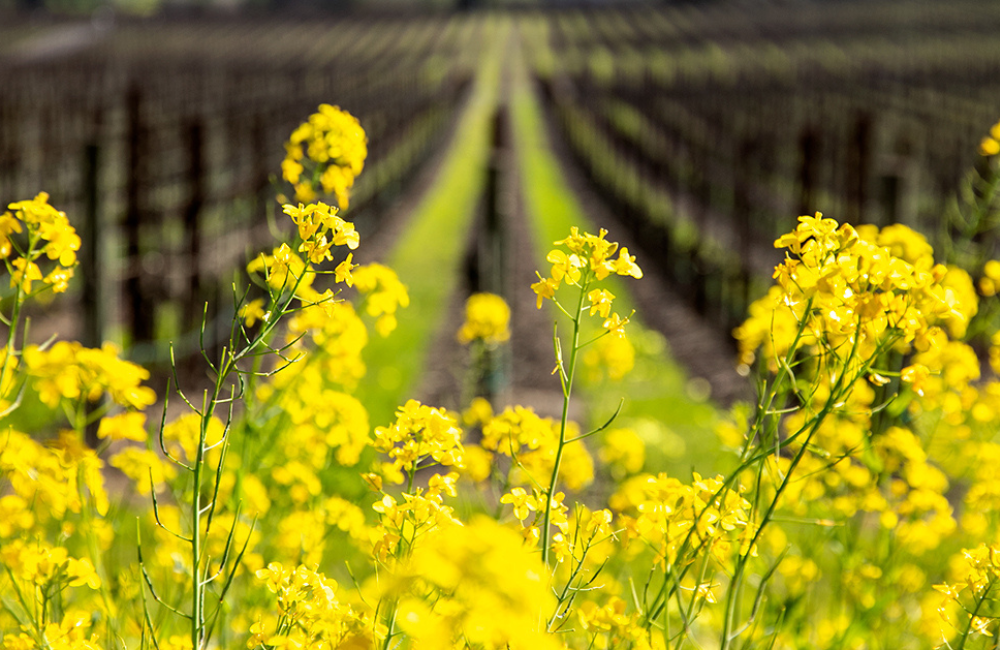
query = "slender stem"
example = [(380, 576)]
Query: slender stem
[(197, 601), (15, 318), (567, 391), (389, 631), (973, 614), (837, 392)]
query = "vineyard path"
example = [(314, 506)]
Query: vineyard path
[(704, 354)]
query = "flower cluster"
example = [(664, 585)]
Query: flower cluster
[(405, 522), (850, 293), (612, 626), (37, 577), (283, 270), (978, 572), (320, 229), (47, 481), (477, 586), (669, 516), (383, 295), (990, 144), (623, 452), (326, 152), (337, 334), (989, 283), (487, 318), (68, 371), (71, 633), (590, 258), (420, 435), (39, 565), (531, 442), (610, 357), (309, 613), (35, 229)]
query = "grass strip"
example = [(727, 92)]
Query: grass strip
[(429, 254), (668, 411)]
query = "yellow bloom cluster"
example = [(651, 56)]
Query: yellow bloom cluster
[(590, 257), (324, 423), (487, 318), (145, 467), (338, 337), (320, 229), (612, 357), (851, 293), (68, 634), (613, 625), (405, 521), (383, 295), (46, 585), (522, 435), (67, 370), (310, 614), (48, 481), (36, 566), (623, 452), (46, 232), (990, 144), (420, 434), (666, 514), (124, 426), (978, 572), (328, 151), (989, 283), (284, 270), (476, 586), (523, 503), (182, 436), (898, 485)]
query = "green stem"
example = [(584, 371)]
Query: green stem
[(389, 628), (227, 365), (567, 386), (973, 614), (15, 318), (837, 393), (197, 601)]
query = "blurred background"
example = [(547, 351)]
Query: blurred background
[(705, 127)]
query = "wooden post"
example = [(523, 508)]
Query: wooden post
[(192, 223), (492, 243), (859, 157), (809, 153), (141, 311), (92, 251), (90, 265), (6, 151), (743, 211)]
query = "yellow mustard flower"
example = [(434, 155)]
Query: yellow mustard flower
[(589, 258), (421, 435), (487, 590), (487, 318), (330, 146), (384, 294), (124, 426)]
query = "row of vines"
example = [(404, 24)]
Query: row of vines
[(706, 127), (165, 137)]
